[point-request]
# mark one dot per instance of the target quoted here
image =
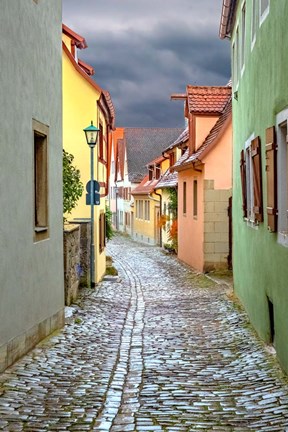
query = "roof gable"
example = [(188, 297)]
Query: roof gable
[(211, 139)]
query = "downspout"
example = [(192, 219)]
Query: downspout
[(160, 211)]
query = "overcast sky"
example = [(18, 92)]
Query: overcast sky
[(145, 50)]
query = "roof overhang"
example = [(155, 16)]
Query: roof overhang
[(227, 14)]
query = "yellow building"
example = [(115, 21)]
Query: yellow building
[(169, 183), (83, 101)]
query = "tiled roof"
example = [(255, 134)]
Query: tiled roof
[(210, 140), (207, 99), (156, 161), (145, 187), (183, 137), (144, 145), (168, 180)]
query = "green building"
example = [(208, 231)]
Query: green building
[(259, 46)]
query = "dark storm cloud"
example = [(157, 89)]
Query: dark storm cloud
[(143, 52)]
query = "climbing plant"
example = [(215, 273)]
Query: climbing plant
[(109, 229), (72, 185)]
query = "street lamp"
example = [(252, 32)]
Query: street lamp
[(91, 133)]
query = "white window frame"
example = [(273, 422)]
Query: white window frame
[(282, 188), (236, 58), (249, 183), (243, 37), (254, 22), (263, 16)]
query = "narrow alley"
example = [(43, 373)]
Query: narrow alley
[(159, 349)]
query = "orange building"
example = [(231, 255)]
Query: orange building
[(205, 179)]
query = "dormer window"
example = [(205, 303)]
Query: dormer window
[(150, 170), (157, 172)]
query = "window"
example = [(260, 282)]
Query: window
[(251, 180), (184, 198), (102, 144), (150, 171), (282, 177), (171, 159), (102, 232), (243, 36), (157, 172), (264, 10), (127, 219), (40, 134), (195, 198), (121, 217), (140, 209), (236, 60), (254, 21), (147, 210)]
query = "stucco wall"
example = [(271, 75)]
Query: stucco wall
[(79, 108), (190, 228), (216, 226), (144, 230), (32, 292), (260, 262)]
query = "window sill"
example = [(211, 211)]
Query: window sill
[(40, 229), (283, 238), (251, 223)]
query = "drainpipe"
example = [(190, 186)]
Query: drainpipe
[(160, 212)]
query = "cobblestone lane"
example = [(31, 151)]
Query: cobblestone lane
[(161, 349)]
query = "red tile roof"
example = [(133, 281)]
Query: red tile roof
[(146, 186), (206, 99)]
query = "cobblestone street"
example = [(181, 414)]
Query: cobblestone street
[(160, 349)]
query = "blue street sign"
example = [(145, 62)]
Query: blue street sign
[(96, 194)]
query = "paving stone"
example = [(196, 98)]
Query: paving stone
[(157, 350)]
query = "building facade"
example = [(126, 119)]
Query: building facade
[(31, 247), (205, 179), (84, 101), (259, 41)]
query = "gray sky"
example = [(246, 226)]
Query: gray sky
[(145, 50)]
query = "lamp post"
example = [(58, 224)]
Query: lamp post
[(91, 133)]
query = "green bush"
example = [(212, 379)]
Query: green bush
[(72, 185)]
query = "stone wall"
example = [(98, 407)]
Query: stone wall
[(216, 226), (71, 262)]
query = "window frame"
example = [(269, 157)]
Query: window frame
[(195, 198), (184, 207), (263, 15), (250, 219), (40, 134), (254, 22), (243, 38), (282, 178)]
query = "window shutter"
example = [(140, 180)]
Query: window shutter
[(257, 178), (271, 178), (243, 182)]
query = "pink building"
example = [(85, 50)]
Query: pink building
[(205, 180)]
